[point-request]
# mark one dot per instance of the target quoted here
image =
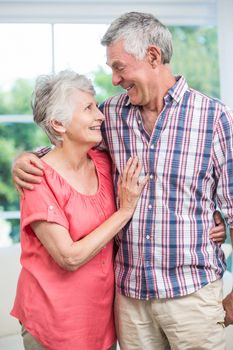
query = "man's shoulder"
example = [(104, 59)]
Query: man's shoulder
[(214, 107), (204, 98), (115, 101)]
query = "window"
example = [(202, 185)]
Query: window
[(32, 49)]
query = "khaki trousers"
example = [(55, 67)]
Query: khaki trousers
[(192, 322)]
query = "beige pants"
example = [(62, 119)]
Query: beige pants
[(184, 323), (30, 343)]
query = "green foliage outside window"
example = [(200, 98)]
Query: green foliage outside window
[(196, 57)]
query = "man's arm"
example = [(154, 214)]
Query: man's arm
[(228, 301), (223, 165), (27, 170)]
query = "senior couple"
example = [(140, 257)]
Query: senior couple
[(171, 151)]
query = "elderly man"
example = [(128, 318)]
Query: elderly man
[(168, 270)]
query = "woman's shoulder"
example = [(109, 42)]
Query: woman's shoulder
[(101, 157), (103, 163), (52, 185)]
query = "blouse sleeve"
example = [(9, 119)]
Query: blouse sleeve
[(41, 204)]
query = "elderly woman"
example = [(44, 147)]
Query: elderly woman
[(65, 290)]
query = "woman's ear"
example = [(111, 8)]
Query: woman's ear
[(57, 126), (154, 55)]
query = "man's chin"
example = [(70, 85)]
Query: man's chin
[(134, 101)]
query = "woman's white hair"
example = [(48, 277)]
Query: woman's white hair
[(139, 30), (52, 99)]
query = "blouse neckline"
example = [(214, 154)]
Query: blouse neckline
[(92, 156)]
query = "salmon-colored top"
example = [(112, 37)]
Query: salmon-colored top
[(67, 310)]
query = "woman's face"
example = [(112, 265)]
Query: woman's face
[(86, 121)]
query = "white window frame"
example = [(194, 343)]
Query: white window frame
[(173, 12)]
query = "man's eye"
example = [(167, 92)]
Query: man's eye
[(88, 107)]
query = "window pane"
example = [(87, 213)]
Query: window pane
[(77, 47), (196, 57), (25, 51)]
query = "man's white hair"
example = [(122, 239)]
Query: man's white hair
[(139, 30)]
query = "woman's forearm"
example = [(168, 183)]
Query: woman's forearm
[(85, 249), (70, 255)]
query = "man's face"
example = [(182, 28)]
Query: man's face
[(131, 74)]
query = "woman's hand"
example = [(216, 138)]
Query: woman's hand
[(129, 186), (26, 170)]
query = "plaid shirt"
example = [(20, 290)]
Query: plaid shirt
[(165, 250)]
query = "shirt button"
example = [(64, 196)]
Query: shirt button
[(139, 121), (151, 176), (51, 207), (147, 237), (152, 146), (149, 206)]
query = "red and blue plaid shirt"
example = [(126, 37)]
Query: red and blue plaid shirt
[(165, 250)]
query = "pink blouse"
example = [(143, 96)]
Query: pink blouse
[(67, 310)]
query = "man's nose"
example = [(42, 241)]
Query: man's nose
[(116, 79)]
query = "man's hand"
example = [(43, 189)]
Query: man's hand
[(228, 307), (27, 170), (218, 233)]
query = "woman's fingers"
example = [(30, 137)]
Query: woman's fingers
[(131, 173), (132, 169), (126, 168), (143, 182), (137, 172)]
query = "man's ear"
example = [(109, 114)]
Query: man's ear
[(57, 126), (154, 55)]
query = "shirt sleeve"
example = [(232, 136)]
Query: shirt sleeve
[(223, 164), (41, 204), (42, 151)]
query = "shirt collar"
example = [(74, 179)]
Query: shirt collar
[(177, 91)]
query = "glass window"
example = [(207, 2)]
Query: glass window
[(77, 47), (196, 57), (27, 51)]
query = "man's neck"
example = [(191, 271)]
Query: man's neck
[(152, 110)]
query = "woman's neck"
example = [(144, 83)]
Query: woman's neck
[(72, 158)]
